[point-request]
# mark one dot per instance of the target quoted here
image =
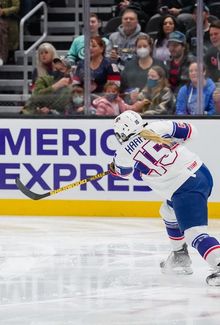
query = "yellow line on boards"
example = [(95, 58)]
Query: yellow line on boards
[(93, 208)]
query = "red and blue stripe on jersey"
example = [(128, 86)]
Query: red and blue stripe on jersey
[(181, 130)]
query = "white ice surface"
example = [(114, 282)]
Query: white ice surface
[(98, 271)]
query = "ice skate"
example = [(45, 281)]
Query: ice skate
[(178, 262), (214, 278)]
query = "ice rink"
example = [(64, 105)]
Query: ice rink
[(98, 271)]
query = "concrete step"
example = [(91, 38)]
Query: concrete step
[(15, 71), (62, 27), (60, 42), (14, 85), (10, 109), (14, 97), (14, 67), (63, 20), (50, 38), (105, 8), (12, 103)]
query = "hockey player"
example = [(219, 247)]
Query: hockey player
[(179, 176)]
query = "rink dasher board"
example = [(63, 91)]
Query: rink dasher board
[(93, 208), (47, 154)]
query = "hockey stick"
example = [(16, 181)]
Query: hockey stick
[(35, 196)]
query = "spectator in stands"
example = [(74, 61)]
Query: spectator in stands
[(180, 59), (191, 33), (76, 106), (111, 103), (45, 55), (144, 9), (212, 56), (9, 34), (216, 98), (102, 69), (76, 51), (181, 9), (26, 7), (52, 93), (168, 24), (186, 103), (157, 93), (134, 76), (121, 46)]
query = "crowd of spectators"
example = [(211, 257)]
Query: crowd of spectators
[(129, 69)]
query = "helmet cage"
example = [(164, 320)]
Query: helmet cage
[(123, 137)]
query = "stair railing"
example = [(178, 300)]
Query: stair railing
[(35, 44)]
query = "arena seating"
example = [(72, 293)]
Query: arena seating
[(63, 24)]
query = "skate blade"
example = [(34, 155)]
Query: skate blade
[(177, 271), (213, 280)]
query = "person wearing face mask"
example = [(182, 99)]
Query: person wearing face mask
[(76, 106), (111, 103), (135, 74), (159, 98)]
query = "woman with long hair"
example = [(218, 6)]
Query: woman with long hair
[(168, 24), (158, 95), (158, 152), (45, 55)]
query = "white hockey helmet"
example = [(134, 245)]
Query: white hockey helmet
[(127, 124)]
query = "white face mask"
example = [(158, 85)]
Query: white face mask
[(143, 52)]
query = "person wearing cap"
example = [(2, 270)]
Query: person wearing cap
[(180, 60), (191, 33), (62, 65), (52, 93)]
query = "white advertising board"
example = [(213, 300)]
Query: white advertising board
[(47, 154)]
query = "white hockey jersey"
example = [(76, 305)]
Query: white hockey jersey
[(163, 168)]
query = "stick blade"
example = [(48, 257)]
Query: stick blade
[(29, 193)]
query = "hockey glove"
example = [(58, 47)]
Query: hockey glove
[(112, 169)]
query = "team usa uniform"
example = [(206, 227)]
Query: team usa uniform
[(179, 177)]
